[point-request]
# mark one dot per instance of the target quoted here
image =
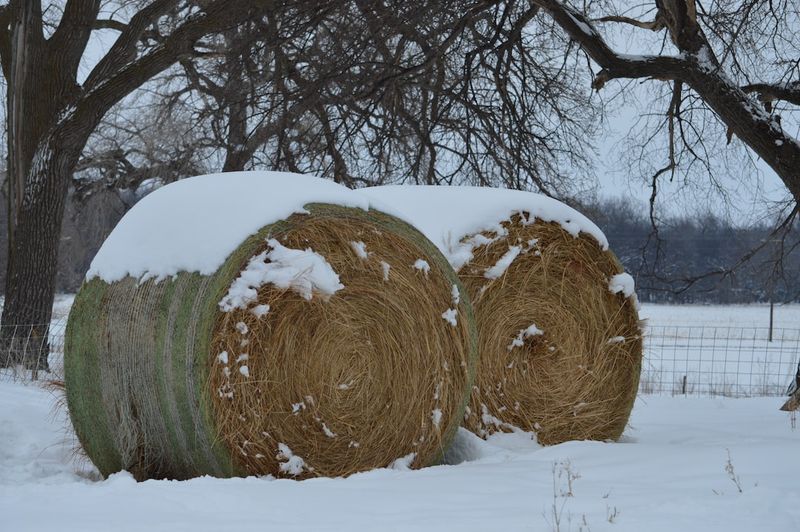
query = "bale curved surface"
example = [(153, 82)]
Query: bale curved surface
[(330, 386), (573, 375)]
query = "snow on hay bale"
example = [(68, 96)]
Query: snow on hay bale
[(262, 323), (560, 344)]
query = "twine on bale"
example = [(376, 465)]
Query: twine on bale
[(560, 353), (161, 381)]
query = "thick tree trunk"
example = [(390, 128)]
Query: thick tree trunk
[(33, 259), (33, 99)]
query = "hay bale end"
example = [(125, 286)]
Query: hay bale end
[(560, 342)]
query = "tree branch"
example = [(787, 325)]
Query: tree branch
[(654, 25), (580, 29), (768, 93), (68, 43), (698, 69), (116, 76), (109, 24), (123, 52)]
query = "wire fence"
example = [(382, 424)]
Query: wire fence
[(728, 361), (32, 352), (678, 360)]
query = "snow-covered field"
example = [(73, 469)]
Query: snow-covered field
[(685, 463), (757, 315)]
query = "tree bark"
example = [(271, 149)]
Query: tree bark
[(30, 281), (793, 403), (234, 99), (39, 85)]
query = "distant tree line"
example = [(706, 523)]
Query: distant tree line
[(704, 259)]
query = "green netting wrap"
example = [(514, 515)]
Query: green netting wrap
[(330, 386)]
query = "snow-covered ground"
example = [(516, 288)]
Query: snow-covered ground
[(688, 464), (757, 315), (685, 463)]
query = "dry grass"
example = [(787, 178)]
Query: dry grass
[(569, 383), (349, 383)]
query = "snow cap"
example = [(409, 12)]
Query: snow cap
[(193, 225), (448, 214)]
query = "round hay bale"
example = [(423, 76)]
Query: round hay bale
[(560, 342), (331, 339)]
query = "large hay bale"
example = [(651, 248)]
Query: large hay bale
[(560, 342), (257, 323)]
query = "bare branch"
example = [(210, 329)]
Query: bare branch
[(613, 65), (699, 70), (123, 52), (768, 93), (653, 25), (117, 75), (109, 24)]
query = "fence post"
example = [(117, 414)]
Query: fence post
[(683, 386), (771, 313)]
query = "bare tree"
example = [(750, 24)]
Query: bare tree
[(722, 49), (50, 116), (739, 60), (371, 92), (137, 147)]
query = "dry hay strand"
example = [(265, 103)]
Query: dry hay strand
[(332, 386), (577, 379)]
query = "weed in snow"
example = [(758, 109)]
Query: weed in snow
[(563, 478), (732, 472)]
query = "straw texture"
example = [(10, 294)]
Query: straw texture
[(560, 354)]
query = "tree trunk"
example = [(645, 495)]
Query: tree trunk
[(794, 396), (235, 156), (234, 99), (34, 219), (33, 259)]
